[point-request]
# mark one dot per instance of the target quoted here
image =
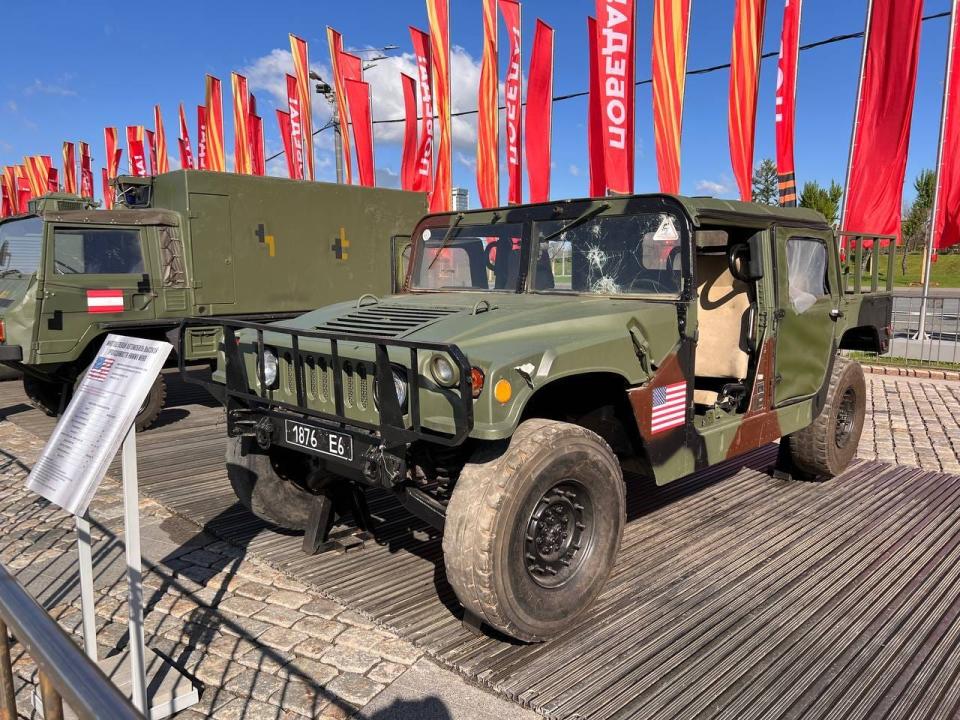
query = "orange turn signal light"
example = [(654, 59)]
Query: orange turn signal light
[(3, 332), (476, 381), (503, 391)]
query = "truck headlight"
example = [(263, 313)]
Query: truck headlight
[(399, 387), (443, 371), (270, 367)]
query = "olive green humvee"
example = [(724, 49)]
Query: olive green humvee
[(535, 352), (183, 244)]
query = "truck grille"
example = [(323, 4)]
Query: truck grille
[(356, 377), (386, 320)]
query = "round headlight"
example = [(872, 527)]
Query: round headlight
[(399, 387), (270, 367), (443, 371)]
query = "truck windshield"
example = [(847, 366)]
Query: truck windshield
[(468, 257), (610, 255), (21, 242)]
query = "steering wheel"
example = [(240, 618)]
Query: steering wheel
[(738, 257)]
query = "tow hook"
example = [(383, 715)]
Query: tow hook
[(264, 432), (382, 468)]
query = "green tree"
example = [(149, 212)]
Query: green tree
[(826, 201), (916, 223), (766, 183)]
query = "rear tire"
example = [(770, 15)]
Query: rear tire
[(824, 448), (44, 395), (153, 405), (531, 536)]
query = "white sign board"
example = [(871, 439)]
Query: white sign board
[(103, 408)]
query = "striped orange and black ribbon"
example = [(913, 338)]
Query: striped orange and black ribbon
[(788, 190)]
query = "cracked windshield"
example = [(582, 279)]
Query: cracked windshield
[(471, 257), (612, 255)]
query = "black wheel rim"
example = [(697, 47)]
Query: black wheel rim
[(559, 534), (846, 416)]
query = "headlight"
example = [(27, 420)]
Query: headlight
[(443, 371), (399, 387), (270, 366)]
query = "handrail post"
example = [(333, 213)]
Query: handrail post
[(8, 702), (52, 702)]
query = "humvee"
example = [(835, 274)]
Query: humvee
[(535, 352), (182, 244)]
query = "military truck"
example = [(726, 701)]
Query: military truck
[(183, 244), (537, 351)]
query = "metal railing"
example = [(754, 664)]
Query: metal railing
[(934, 342), (865, 254), (65, 673)]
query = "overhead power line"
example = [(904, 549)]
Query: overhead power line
[(647, 81)]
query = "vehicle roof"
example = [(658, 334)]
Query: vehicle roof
[(119, 216)]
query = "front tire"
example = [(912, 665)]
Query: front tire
[(44, 395), (531, 536), (153, 404)]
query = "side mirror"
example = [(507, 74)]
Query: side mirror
[(746, 260), (755, 265)]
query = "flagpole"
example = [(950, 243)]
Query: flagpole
[(935, 211), (856, 118)]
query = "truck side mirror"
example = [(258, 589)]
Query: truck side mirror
[(755, 264), (746, 260)]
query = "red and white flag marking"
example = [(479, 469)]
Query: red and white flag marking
[(668, 407), (104, 301)]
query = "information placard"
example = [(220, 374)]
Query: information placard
[(104, 406)]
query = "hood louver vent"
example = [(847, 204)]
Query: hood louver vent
[(386, 320)]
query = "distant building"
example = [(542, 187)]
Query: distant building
[(461, 199)]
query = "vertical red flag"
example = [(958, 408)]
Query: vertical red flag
[(408, 157), (152, 145), (358, 95), (878, 162), (186, 152), (421, 50), (744, 81), (438, 11), (488, 118), (69, 168), (946, 207), (163, 162), (301, 65), (351, 68), (113, 152), (671, 32), (241, 130), (787, 101), (513, 93), (53, 180), (295, 160), (8, 183), (86, 171), (616, 23), (335, 43), (23, 190), (6, 206), (539, 134), (32, 172), (283, 120), (106, 190), (203, 159), (216, 158), (596, 155), (258, 160), (135, 151)]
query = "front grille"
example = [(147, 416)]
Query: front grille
[(386, 320), (357, 378)]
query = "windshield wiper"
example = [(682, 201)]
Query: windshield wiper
[(446, 240), (596, 210)]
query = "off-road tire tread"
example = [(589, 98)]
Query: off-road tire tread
[(471, 516), (156, 400), (809, 447)]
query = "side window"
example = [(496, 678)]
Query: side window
[(97, 251), (806, 272)]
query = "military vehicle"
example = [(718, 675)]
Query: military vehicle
[(535, 352), (183, 244)]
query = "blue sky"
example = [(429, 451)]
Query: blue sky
[(106, 66)]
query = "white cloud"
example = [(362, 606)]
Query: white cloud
[(715, 188), (574, 170), (387, 178), (12, 106), (42, 88), (469, 161)]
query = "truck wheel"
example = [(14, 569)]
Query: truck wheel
[(44, 395), (531, 536), (153, 404), (825, 447), (262, 489)]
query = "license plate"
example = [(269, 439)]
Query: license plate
[(318, 440)]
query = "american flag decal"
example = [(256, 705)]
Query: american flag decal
[(668, 407), (100, 368)]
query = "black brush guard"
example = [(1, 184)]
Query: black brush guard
[(391, 431)]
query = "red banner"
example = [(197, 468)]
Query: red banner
[(335, 43), (301, 66), (358, 94), (135, 151), (488, 118), (616, 23), (351, 70), (69, 168), (152, 144), (258, 159), (878, 163), (438, 12), (744, 80), (163, 162), (408, 156), (186, 152), (421, 50), (539, 135), (23, 188), (671, 31), (216, 158), (241, 131), (203, 161), (106, 189), (513, 94), (295, 160), (8, 183), (283, 120), (53, 180), (86, 171), (598, 179), (946, 222), (6, 205), (35, 175), (787, 101)]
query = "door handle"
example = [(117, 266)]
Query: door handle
[(147, 299), (836, 314)]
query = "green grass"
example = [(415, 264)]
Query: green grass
[(945, 272)]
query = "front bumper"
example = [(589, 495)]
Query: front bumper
[(11, 353)]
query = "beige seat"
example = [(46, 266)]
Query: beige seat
[(724, 305)]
